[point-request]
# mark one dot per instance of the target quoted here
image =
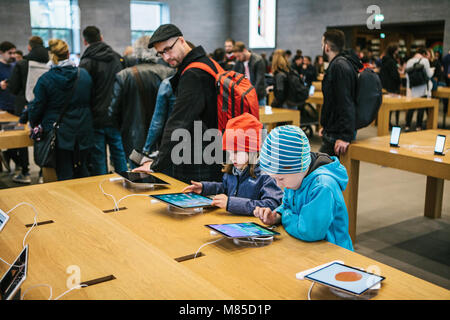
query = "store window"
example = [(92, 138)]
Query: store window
[(146, 17), (56, 19)]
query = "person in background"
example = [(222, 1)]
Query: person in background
[(7, 63), (288, 54), (134, 95), (229, 54), (74, 135), (244, 186), (280, 69), (252, 66), (318, 64), (339, 94), (19, 55), (297, 64), (423, 90), (389, 75), (18, 87), (308, 71), (7, 99), (103, 63)]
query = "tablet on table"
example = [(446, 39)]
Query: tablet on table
[(184, 200)]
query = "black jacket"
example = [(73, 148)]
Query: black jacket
[(389, 76), (127, 110), (280, 89), (339, 97), (102, 63), (257, 73), (309, 75), (18, 79), (196, 100)]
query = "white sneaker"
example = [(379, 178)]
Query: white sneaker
[(41, 179), (22, 178)]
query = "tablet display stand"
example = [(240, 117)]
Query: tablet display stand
[(187, 211), (137, 186), (253, 242), (369, 294)]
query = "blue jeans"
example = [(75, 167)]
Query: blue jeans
[(102, 137)]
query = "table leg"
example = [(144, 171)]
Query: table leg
[(433, 197), (49, 175), (383, 122), (432, 115), (351, 192)]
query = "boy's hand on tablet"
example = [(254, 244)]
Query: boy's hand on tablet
[(220, 201), (195, 187), (266, 215)]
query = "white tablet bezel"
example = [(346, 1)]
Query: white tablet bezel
[(3, 214)]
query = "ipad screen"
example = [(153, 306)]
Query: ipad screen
[(184, 200), (242, 230), (345, 278)]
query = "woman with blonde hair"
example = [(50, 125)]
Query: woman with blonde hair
[(67, 87)]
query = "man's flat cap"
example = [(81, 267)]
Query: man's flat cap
[(164, 32)]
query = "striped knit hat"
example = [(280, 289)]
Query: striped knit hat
[(285, 150)]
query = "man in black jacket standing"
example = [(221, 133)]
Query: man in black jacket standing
[(18, 87), (253, 67), (195, 107), (102, 63), (339, 95)]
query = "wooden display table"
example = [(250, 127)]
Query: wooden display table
[(138, 246), (415, 154), (401, 103), (16, 138), (278, 115)]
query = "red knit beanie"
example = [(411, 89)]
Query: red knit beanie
[(242, 133)]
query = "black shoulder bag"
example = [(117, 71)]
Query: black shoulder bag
[(45, 148)]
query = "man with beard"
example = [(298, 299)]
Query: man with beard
[(339, 94), (229, 54), (7, 59), (196, 102)]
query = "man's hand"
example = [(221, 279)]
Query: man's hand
[(144, 168), (196, 187), (220, 201), (340, 147), (267, 216), (321, 132), (4, 84)]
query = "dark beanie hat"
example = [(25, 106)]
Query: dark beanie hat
[(164, 32)]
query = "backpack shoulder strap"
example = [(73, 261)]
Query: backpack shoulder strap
[(203, 66)]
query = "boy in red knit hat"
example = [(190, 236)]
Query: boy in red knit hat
[(243, 187)]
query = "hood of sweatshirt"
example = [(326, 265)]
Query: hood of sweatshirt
[(354, 60), (38, 54), (323, 164), (99, 51), (63, 76)]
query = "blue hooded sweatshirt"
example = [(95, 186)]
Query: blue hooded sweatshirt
[(245, 193), (317, 211)]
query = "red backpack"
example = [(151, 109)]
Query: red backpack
[(235, 93)]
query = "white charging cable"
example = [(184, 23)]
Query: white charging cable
[(131, 195), (26, 235), (116, 206), (203, 245), (76, 287), (310, 290), (116, 203), (51, 290)]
